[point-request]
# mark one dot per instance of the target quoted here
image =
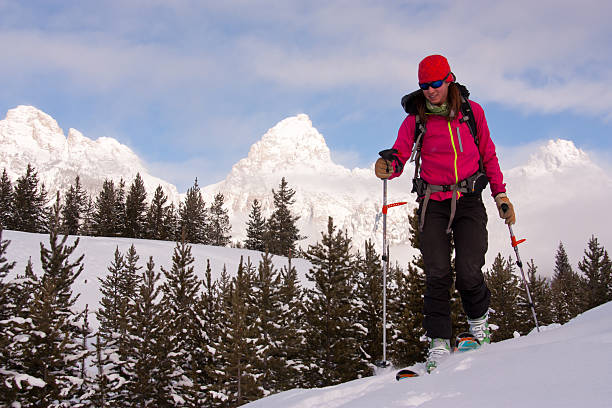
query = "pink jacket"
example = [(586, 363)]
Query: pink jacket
[(449, 154)]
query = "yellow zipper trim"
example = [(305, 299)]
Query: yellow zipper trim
[(450, 131)]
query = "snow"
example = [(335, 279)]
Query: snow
[(28, 135), (99, 252), (562, 366)]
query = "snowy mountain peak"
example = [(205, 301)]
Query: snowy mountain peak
[(29, 127), (556, 156), (292, 142), (29, 135)]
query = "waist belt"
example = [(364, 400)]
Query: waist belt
[(473, 184)]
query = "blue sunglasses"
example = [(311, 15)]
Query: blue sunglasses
[(435, 84)]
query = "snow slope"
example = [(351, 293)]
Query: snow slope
[(100, 251), (562, 366)]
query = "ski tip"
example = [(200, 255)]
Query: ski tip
[(382, 364), (403, 374)]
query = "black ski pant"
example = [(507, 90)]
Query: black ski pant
[(469, 229)]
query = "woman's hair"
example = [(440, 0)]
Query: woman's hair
[(453, 99)]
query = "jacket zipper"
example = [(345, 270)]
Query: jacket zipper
[(450, 131)]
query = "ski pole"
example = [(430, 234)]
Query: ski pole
[(515, 244), (388, 155), (385, 258)]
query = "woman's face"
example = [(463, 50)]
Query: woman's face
[(437, 96)]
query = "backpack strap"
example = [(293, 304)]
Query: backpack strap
[(468, 117)]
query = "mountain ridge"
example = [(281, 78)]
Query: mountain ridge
[(543, 190)]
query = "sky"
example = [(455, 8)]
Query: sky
[(191, 85)]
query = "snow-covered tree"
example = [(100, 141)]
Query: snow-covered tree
[(256, 229), (504, 287), (282, 232), (180, 293), (566, 288), (192, 216), (29, 201), (156, 219), (75, 203), (135, 209), (6, 201), (237, 382), (333, 348), (291, 337), (218, 227), (104, 220), (595, 265), (51, 351)]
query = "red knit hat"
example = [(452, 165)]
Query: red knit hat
[(434, 68)]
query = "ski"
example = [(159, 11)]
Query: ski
[(466, 342), (405, 373)]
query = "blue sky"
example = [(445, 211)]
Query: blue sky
[(191, 85)]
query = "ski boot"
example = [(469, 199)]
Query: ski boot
[(439, 349), (480, 328)]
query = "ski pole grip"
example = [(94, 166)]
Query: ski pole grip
[(504, 207), (391, 155)]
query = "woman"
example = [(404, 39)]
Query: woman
[(455, 167)]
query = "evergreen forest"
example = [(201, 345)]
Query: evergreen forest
[(170, 338)]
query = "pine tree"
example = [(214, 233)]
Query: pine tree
[(269, 346), (219, 392), (180, 293), (192, 216), (171, 222), (15, 326), (86, 227), (120, 214), (53, 352), (29, 203), (156, 227), (597, 273), (112, 334), (541, 296), (146, 365), (104, 217), (212, 327), (369, 299), (218, 227), (6, 201), (256, 229), (282, 232), (85, 391), (566, 285), (74, 206), (504, 287), (291, 320), (7, 322), (135, 209), (405, 316), (333, 347), (238, 384)]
